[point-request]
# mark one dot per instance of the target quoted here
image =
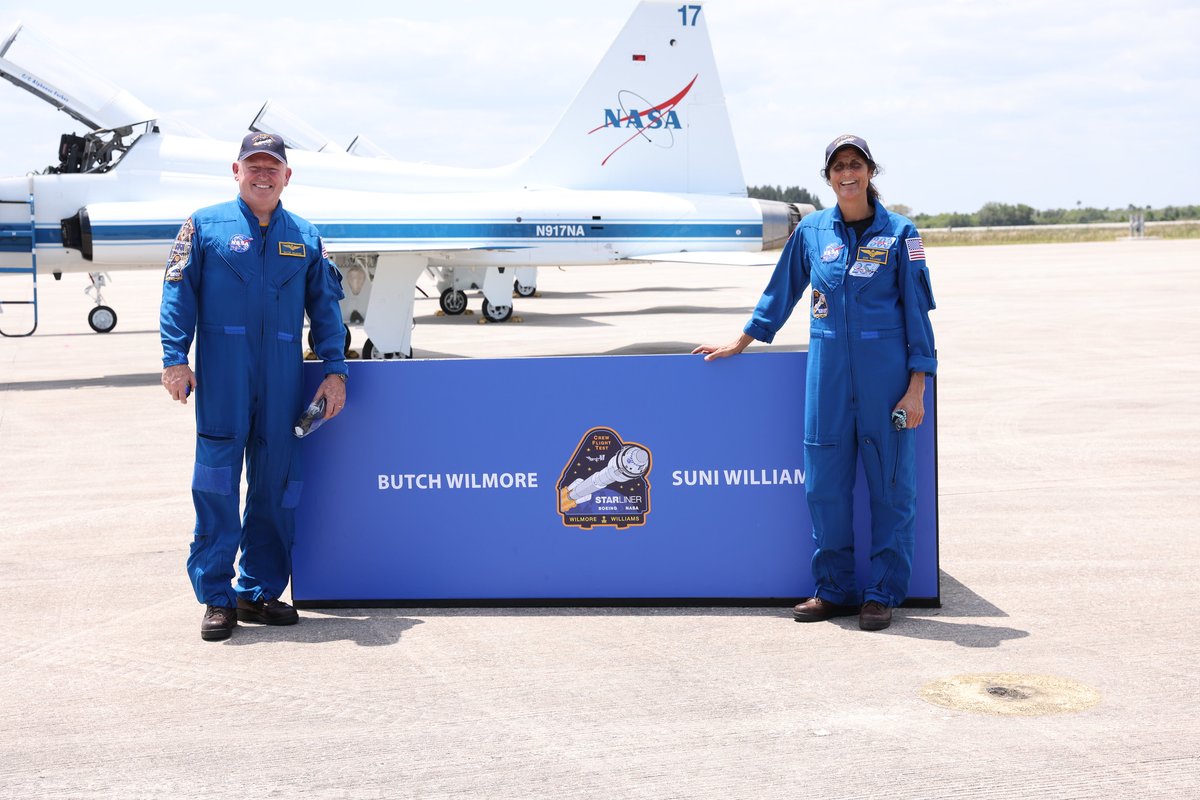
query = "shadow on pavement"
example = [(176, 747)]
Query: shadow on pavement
[(963, 634), (958, 601), (366, 628), (115, 381)]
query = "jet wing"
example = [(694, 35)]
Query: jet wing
[(416, 248), (766, 258)]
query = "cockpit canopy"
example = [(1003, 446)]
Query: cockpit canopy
[(46, 71), (40, 67)]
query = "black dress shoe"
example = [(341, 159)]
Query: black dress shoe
[(218, 623), (267, 612), (875, 616), (817, 610)]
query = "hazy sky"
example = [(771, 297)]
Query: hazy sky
[(1047, 103)]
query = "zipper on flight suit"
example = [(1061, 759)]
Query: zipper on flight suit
[(893, 433), (852, 238), (262, 296)]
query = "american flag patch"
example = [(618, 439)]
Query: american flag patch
[(916, 250), (325, 253)]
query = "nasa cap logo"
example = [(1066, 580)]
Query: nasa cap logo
[(847, 140), (267, 143)]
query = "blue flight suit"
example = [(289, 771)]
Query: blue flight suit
[(243, 292), (869, 330)]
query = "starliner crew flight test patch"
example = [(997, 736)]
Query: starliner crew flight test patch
[(606, 482)]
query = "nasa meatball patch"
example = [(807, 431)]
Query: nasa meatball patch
[(831, 252)]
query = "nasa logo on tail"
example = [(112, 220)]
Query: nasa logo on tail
[(644, 118)]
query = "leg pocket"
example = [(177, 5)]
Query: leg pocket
[(291, 494), (215, 459), (214, 480)]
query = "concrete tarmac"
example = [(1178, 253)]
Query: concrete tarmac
[(1063, 663)]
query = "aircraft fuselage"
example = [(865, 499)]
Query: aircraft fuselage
[(453, 216)]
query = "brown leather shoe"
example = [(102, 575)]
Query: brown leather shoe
[(817, 610), (875, 616), (267, 612), (218, 623)]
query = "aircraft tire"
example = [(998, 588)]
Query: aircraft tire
[(372, 353), (524, 291), (496, 313), (453, 302), (345, 347), (102, 319)]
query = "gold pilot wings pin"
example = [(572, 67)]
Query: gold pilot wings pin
[(873, 255), (292, 249)]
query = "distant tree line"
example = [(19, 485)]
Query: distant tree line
[(995, 215), (1002, 214), (792, 194)]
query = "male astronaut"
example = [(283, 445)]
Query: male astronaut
[(240, 278)]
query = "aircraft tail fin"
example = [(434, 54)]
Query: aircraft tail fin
[(651, 117)]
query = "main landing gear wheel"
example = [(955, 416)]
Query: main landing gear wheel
[(453, 302), (524, 291), (102, 319), (345, 346), (372, 353), (496, 313)]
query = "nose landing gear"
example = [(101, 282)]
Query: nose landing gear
[(102, 318)]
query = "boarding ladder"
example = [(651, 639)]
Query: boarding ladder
[(17, 241)]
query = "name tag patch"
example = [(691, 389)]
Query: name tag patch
[(873, 255), (292, 249), (863, 269)]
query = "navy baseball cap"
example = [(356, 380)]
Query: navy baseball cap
[(267, 143), (847, 140)]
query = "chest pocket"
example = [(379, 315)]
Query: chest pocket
[(283, 270), (872, 256), (234, 261), (828, 260)]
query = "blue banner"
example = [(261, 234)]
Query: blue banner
[(586, 478)]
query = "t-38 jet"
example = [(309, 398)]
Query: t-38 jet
[(642, 166)]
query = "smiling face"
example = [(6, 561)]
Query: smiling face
[(261, 178), (849, 175)]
